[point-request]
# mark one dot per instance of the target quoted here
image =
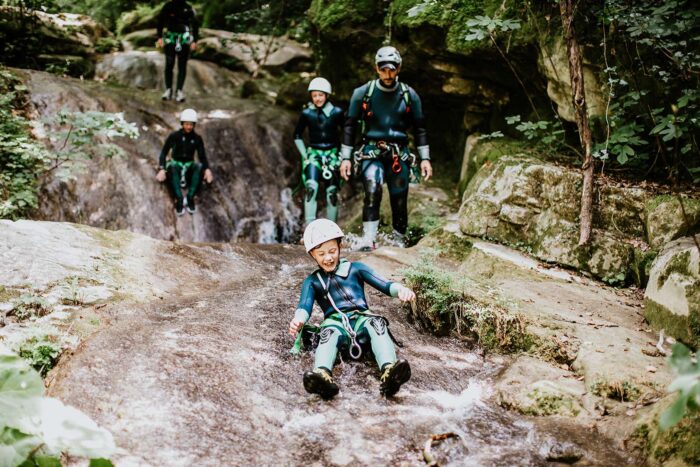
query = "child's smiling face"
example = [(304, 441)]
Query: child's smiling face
[(327, 255)]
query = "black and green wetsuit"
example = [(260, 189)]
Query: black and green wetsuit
[(180, 22), (345, 287), (320, 161), (182, 166), (386, 115)]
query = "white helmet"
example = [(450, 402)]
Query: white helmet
[(388, 55), (320, 84), (188, 115), (320, 231)]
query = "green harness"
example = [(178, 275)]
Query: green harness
[(177, 38), (184, 167), (326, 160)]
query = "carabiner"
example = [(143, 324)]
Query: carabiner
[(396, 166), (355, 345), (183, 179), (327, 174)]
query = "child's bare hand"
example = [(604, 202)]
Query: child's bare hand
[(406, 294), (295, 326)]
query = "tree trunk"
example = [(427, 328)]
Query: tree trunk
[(579, 99)]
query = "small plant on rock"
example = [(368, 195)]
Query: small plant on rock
[(687, 384)]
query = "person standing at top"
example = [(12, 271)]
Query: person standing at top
[(320, 161), (385, 110), (182, 32)]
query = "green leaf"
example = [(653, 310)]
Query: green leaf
[(101, 463), (47, 461), (15, 446), (673, 414)]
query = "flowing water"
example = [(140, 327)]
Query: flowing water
[(206, 379)]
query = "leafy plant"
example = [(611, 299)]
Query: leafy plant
[(443, 306), (29, 306), (687, 384), (37, 430)]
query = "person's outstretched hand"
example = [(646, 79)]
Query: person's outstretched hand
[(193, 46), (208, 176), (161, 175), (426, 170), (159, 43), (345, 169), (295, 326), (406, 294)]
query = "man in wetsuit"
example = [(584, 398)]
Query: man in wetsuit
[(338, 287), (320, 161), (182, 33), (385, 109), (182, 170)]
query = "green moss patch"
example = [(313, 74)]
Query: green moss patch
[(684, 328), (444, 307), (681, 442)]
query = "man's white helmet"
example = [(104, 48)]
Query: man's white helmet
[(188, 115), (388, 56), (320, 231), (320, 84)]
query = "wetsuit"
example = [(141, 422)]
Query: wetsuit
[(387, 116), (346, 288), (182, 166), (320, 161), (182, 29)]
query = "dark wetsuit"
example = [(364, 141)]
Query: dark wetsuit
[(321, 163), (182, 167), (180, 21), (346, 287), (389, 114)]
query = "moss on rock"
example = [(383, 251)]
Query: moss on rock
[(665, 220), (679, 445)]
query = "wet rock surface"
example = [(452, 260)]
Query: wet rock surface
[(249, 149), (195, 370)]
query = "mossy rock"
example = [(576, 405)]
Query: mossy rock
[(672, 298), (523, 201), (665, 220), (679, 445), (143, 17)]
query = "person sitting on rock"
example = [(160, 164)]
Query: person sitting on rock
[(320, 161), (385, 110), (338, 288), (182, 170), (182, 33)]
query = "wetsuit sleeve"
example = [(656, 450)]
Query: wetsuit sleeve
[(298, 132), (194, 24), (306, 301), (301, 126), (202, 153), (372, 278), (164, 152), (161, 19), (351, 117), (419, 129)]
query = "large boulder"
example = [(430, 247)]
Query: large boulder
[(64, 42), (532, 204), (240, 51), (144, 70), (672, 298), (667, 220), (554, 65), (249, 146)]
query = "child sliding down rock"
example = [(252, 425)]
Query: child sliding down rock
[(338, 288)]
